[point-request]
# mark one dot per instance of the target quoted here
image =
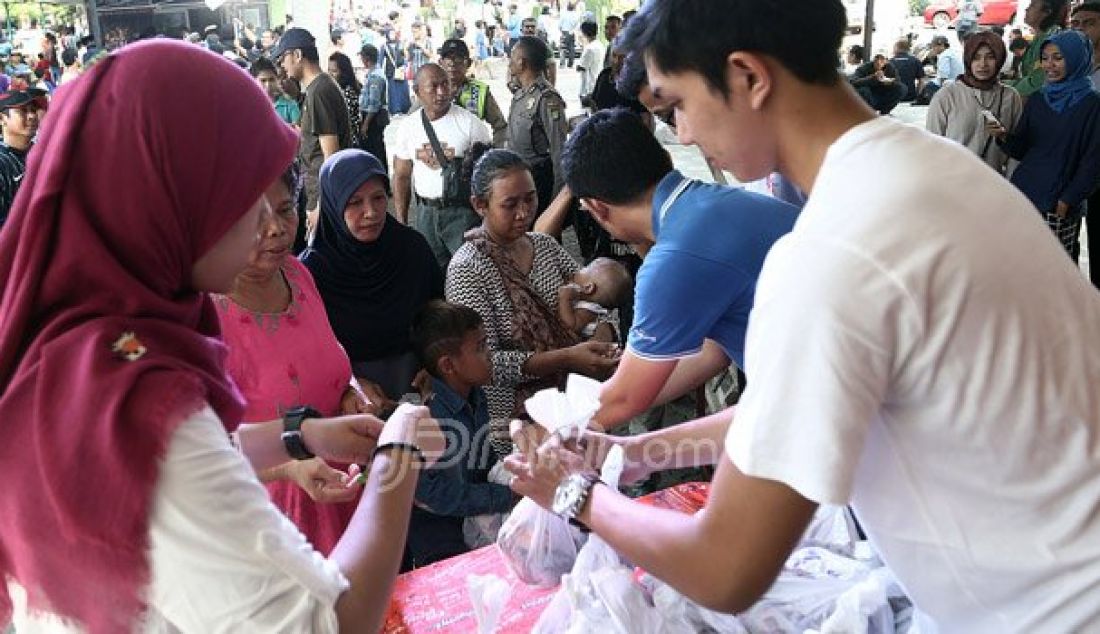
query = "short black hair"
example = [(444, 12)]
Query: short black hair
[(590, 30), (68, 57), (438, 330), (262, 64), (592, 158), (1056, 14), (369, 53), (632, 77), (613, 18), (699, 35), (856, 51), (310, 54), (535, 51), (1091, 7)]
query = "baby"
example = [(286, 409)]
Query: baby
[(587, 301)]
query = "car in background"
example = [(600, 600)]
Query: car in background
[(943, 13)]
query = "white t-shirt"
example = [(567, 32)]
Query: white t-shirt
[(924, 350), (457, 132), (592, 63), (222, 557)]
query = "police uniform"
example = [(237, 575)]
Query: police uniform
[(476, 97), (536, 131)]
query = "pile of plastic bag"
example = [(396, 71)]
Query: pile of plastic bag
[(832, 583)]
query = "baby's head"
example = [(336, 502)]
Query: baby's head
[(605, 282)]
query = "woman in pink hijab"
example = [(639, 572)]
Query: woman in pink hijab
[(129, 498)]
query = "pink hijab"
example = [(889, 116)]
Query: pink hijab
[(142, 165)]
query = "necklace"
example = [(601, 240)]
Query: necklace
[(978, 97)]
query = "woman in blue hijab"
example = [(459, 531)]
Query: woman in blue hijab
[(1057, 140), (374, 273)]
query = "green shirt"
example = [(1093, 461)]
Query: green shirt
[(1032, 76)]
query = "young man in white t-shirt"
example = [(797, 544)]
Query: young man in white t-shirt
[(591, 62), (920, 350), (418, 175)]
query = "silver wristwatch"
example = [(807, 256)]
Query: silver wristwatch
[(571, 495)]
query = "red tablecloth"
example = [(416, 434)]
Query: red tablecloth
[(435, 598)]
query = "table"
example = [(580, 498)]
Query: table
[(435, 598)]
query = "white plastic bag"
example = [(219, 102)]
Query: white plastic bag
[(479, 531), (488, 594), (864, 608), (600, 593), (539, 546), (566, 413)]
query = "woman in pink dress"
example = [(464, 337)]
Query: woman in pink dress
[(283, 355)]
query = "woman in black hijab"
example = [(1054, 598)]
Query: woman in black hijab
[(373, 272)]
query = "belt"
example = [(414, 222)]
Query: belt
[(438, 203)]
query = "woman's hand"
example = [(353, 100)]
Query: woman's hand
[(348, 439), (323, 483), (996, 130), (1061, 210), (596, 359), (414, 425)]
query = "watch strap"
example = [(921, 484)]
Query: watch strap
[(292, 438), (588, 481)]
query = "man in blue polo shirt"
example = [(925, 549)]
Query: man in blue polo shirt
[(706, 244)]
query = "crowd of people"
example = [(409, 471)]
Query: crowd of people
[(216, 322), (1003, 95)]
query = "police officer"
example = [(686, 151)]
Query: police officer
[(470, 93), (536, 120)]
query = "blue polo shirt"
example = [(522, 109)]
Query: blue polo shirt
[(698, 280)]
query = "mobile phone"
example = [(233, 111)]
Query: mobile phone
[(990, 117)]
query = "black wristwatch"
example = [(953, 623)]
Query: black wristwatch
[(292, 431)]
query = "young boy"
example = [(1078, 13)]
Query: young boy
[(586, 302), (449, 341)]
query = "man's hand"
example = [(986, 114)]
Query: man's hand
[(348, 439), (323, 483), (537, 475), (592, 447)]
